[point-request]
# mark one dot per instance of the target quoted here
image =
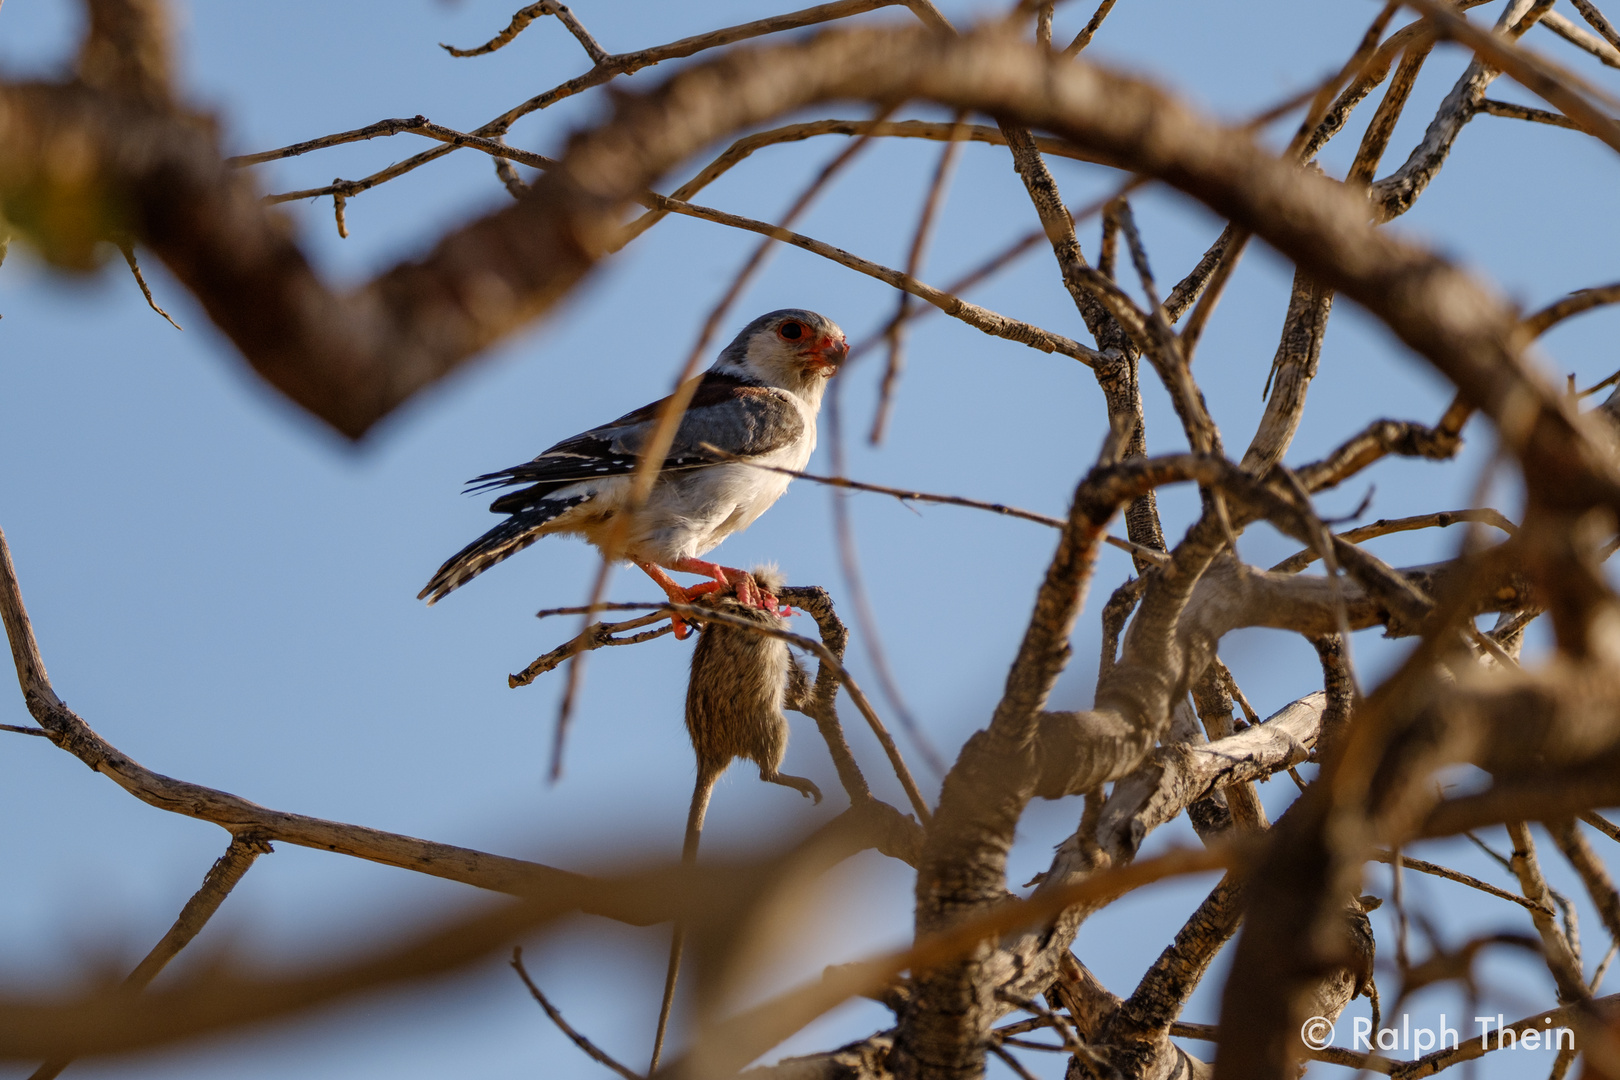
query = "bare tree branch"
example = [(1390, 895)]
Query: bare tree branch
[(1436, 870), (1385, 526), (1525, 112), (68, 731), (975, 316), (527, 15), (1581, 39), (1575, 303), (221, 878), (592, 1051), (1594, 18)]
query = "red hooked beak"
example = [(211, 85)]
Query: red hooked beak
[(827, 354)]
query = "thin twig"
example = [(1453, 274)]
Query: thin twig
[(1397, 893), (1230, 245), (576, 670), (907, 495), (1602, 825), (370, 131), (1073, 1043), (592, 1051), (1436, 870), (945, 300), (1581, 39), (1054, 1020), (1083, 38), (616, 65), (1001, 1052), (1226, 676), (1023, 245), (135, 268), (1512, 626), (1030, 1044), (1139, 256), (1510, 111), (1335, 573), (1365, 57), (849, 563), (1604, 384), (1385, 526), (1594, 875), (740, 150), (597, 636), (217, 884), (1020, 1027), (1603, 967), (914, 260), (415, 125), (1575, 303), (494, 147), (527, 15)]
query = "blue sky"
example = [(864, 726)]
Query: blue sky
[(226, 591)]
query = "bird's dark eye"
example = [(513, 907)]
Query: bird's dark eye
[(791, 330)]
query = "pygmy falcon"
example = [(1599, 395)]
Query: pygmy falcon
[(758, 403)]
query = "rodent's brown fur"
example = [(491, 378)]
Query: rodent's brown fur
[(733, 710)]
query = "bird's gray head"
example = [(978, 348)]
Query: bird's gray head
[(794, 349)]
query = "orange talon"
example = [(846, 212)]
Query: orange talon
[(721, 578), (676, 595)]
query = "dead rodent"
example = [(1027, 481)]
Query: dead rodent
[(734, 699), (734, 703)]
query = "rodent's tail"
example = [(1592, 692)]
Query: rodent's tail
[(694, 833), (502, 542)]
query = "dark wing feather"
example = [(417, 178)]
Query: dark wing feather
[(736, 415)]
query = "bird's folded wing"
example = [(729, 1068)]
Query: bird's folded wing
[(739, 417)]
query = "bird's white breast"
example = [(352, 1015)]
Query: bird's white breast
[(690, 513)]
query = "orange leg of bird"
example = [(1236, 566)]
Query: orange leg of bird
[(748, 590), (676, 594)]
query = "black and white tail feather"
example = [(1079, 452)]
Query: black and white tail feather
[(499, 544)]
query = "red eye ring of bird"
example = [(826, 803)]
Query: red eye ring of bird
[(791, 330)]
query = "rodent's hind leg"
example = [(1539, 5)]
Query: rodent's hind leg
[(797, 783)]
